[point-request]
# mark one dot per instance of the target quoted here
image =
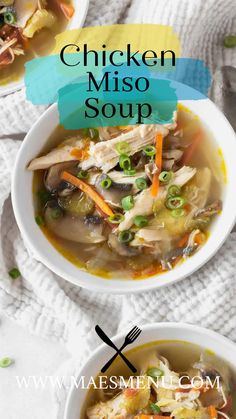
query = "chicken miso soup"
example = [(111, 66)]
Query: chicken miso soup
[(27, 30), (175, 379), (129, 202)]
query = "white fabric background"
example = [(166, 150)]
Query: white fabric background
[(52, 308)]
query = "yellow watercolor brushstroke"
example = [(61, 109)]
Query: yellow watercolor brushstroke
[(142, 37)]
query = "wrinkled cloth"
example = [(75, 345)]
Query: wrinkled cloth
[(49, 306)]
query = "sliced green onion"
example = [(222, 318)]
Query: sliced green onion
[(106, 183), (174, 190), (155, 408), (141, 183), (39, 220), (116, 218), (165, 177), (155, 372), (175, 202), (230, 41), (125, 236), (131, 172), (127, 202), (6, 362), (150, 150), (83, 174), (94, 134), (14, 273), (9, 18), (122, 147), (177, 213), (56, 213), (140, 221), (125, 162), (43, 196)]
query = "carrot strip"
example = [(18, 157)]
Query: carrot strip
[(89, 190), (188, 154), (212, 412), (158, 162), (67, 9), (183, 241)]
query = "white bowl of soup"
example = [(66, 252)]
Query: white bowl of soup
[(28, 30), (96, 209), (182, 371)]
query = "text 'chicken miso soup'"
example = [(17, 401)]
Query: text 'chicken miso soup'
[(28, 30), (129, 202), (174, 379)]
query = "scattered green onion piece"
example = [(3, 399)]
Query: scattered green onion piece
[(5, 362), (94, 134), (39, 220), (122, 147), (83, 174), (125, 236), (155, 408), (155, 372), (9, 18), (43, 196), (56, 213), (165, 177), (106, 183), (125, 162), (140, 221), (131, 172), (14, 273), (175, 202), (174, 190), (141, 183), (177, 213), (116, 218), (230, 41), (127, 202), (150, 150)]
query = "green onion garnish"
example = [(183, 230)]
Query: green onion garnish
[(9, 18), (122, 147), (6, 362), (140, 221), (43, 196), (174, 190), (177, 213), (56, 213), (125, 162), (116, 218), (14, 273), (150, 150), (155, 408), (131, 172), (155, 372), (141, 183), (230, 41), (175, 202), (106, 183), (127, 202), (125, 236), (39, 220), (83, 174), (165, 177)]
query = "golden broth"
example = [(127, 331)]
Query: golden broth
[(99, 259), (181, 356)]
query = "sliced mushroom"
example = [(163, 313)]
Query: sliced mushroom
[(210, 210), (115, 193), (121, 249), (52, 179), (72, 228)]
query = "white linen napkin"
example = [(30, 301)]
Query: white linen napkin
[(55, 309)]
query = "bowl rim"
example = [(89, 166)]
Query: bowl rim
[(81, 10), (116, 286), (182, 327)]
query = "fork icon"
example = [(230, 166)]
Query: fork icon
[(130, 338)]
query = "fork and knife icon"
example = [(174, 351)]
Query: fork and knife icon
[(130, 338)]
